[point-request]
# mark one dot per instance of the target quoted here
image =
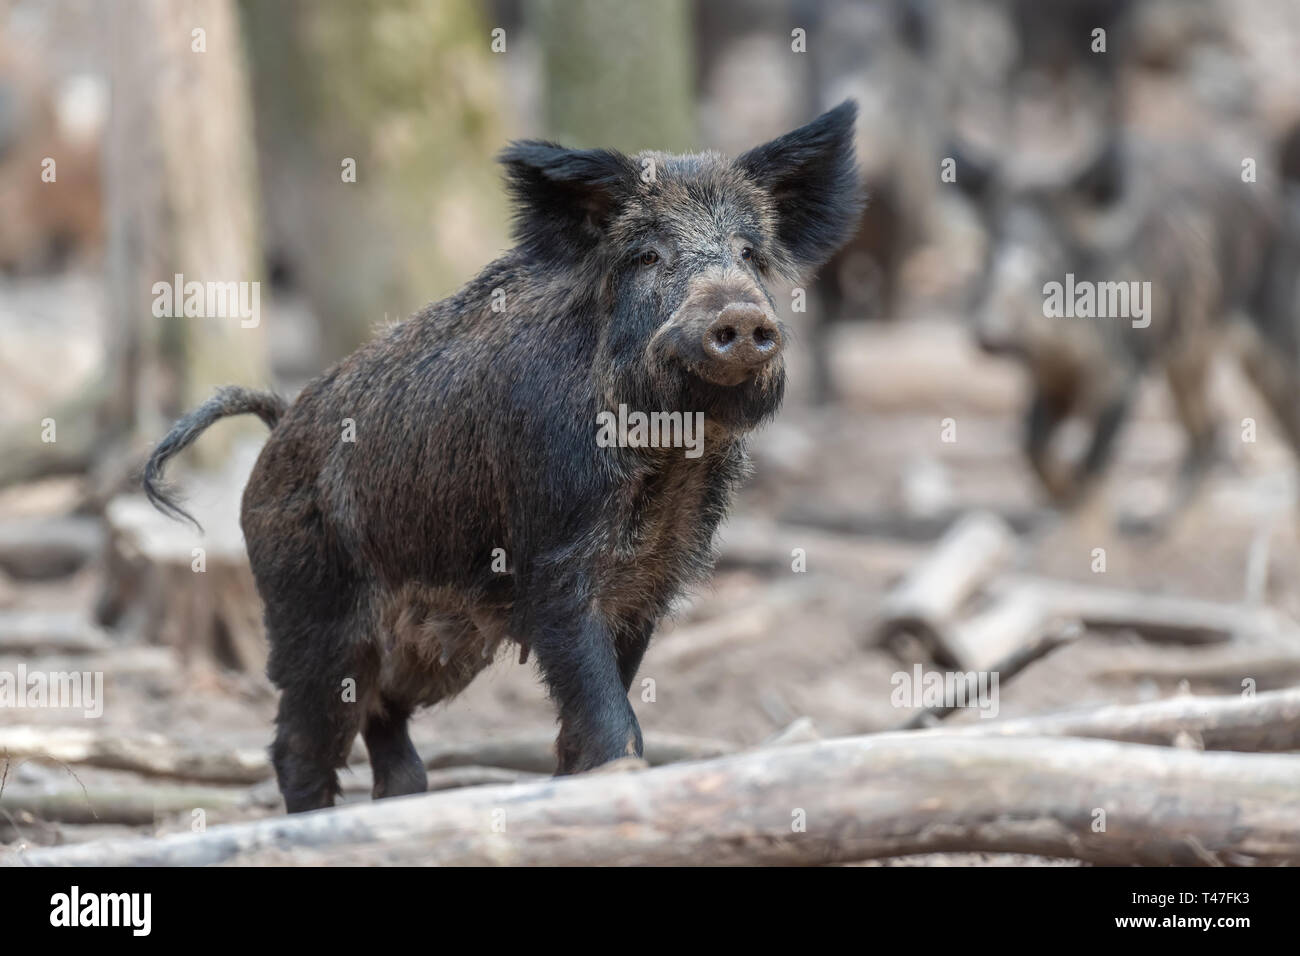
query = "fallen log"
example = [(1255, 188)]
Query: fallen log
[(356, 783), (900, 526), (927, 600), (134, 805), (124, 661), (686, 644), (769, 546), (38, 548), (801, 730), (535, 752), (832, 801), (1157, 617), (156, 755), (454, 778), (358, 780), (1028, 638), (150, 754), (50, 632), (1015, 628), (1266, 723), (1266, 667)]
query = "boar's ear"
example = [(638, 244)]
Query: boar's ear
[(811, 176), (564, 197)]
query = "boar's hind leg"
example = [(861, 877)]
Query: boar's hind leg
[(1188, 376), (1043, 418), (320, 709), (1105, 430), (398, 769), (581, 668), (312, 740)]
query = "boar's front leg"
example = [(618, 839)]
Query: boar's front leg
[(580, 664)]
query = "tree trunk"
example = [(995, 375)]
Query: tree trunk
[(617, 74), (182, 199)]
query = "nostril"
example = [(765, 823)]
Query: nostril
[(742, 335)]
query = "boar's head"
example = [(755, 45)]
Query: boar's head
[(681, 252)]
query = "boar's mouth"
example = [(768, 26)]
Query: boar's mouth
[(722, 375), (739, 406), (735, 395)]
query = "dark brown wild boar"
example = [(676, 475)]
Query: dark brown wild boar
[(1163, 258), (476, 507)]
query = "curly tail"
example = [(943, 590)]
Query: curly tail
[(229, 400)]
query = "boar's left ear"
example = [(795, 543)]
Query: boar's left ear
[(811, 176), (564, 197)]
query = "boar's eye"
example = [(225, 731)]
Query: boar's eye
[(648, 258), (747, 253)]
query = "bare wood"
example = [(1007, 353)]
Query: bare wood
[(35, 548), (1268, 722), (769, 545), (974, 549), (159, 756), (899, 527), (1268, 664), (688, 644), (453, 778), (210, 615), (1013, 622), (1158, 617), (359, 779), (150, 754), (1031, 639), (117, 662), (535, 752), (135, 805), (859, 798), (801, 730), (50, 632)]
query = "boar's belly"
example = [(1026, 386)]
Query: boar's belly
[(433, 642)]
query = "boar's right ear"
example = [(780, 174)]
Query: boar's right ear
[(812, 178), (564, 197)]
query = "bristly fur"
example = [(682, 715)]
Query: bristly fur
[(475, 507)]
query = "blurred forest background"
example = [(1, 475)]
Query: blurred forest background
[(214, 139)]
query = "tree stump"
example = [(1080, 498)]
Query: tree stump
[(183, 588)]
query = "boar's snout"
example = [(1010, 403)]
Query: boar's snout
[(723, 332), (743, 336)]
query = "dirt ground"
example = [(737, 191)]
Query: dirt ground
[(766, 645)]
